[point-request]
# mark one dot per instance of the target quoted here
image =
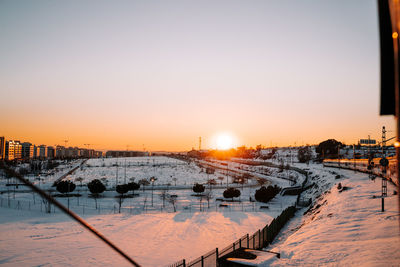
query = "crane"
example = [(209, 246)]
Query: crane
[(65, 142)]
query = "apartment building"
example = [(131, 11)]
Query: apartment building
[(27, 150), (2, 148)]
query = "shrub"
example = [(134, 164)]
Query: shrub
[(65, 186), (198, 188), (265, 194), (231, 193)]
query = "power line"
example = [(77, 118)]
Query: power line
[(74, 216)]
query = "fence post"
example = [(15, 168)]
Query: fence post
[(240, 242), (262, 241), (233, 246), (254, 241), (259, 238), (202, 261), (247, 240), (184, 263), (216, 253)]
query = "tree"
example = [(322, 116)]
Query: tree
[(198, 188), (304, 154), (144, 182), (231, 193), (172, 199), (208, 196), (163, 196), (211, 182), (265, 194), (328, 148), (132, 186), (96, 187), (65, 186), (121, 190)]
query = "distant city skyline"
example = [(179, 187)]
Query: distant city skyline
[(160, 74)]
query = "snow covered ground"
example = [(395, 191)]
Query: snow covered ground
[(151, 237), (345, 228), (34, 239)]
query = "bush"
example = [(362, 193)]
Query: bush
[(65, 186), (231, 193), (265, 194), (198, 188), (96, 187)]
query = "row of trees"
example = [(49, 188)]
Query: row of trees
[(264, 194), (96, 187)]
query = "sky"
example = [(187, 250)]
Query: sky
[(160, 74)]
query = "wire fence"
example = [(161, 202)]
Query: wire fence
[(131, 206), (258, 240)]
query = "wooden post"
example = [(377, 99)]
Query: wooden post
[(216, 253), (259, 238), (247, 240), (184, 263), (202, 261)]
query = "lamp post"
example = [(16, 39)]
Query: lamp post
[(152, 179)]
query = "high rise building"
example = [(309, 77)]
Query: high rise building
[(2, 148), (42, 151), (11, 147), (17, 150), (51, 152), (27, 150)]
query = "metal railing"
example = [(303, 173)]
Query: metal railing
[(258, 240)]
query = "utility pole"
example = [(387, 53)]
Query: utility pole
[(384, 166), (199, 143), (116, 177)]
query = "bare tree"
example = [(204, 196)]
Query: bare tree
[(163, 196), (172, 199), (208, 196)]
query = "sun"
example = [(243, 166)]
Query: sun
[(224, 141)]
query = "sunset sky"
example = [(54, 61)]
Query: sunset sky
[(159, 74)]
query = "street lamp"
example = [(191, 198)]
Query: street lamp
[(152, 179)]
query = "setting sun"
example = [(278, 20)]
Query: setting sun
[(224, 141)]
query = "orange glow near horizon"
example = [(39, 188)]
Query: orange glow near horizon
[(142, 76)]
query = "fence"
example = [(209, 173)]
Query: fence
[(258, 240), (84, 206), (362, 166)]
